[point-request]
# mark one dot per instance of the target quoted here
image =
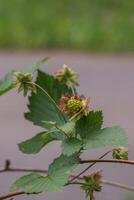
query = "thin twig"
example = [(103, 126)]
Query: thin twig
[(11, 195), (79, 183), (122, 186), (7, 168), (130, 162), (76, 183), (87, 168), (23, 170)]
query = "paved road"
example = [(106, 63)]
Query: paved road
[(109, 81)]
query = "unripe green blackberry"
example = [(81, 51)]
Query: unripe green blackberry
[(74, 105), (120, 153)]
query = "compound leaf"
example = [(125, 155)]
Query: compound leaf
[(41, 108), (71, 146), (113, 136), (55, 180), (90, 123)]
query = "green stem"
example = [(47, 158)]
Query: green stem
[(73, 91), (51, 99), (61, 130), (46, 93)]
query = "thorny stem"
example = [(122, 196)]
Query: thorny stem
[(8, 168), (130, 162), (91, 165)]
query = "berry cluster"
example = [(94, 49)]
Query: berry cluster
[(73, 105)]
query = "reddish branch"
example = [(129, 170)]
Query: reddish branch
[(11, 195), (130, 162), (8, 168)]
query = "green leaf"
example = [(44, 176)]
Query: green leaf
[(40, 106), (6, 83), (68, 128), (89, 128), (57, 177), (32, 183), (90, 123), (114, 136), (61, 168), (35, 144), (49, 124), (34, 67), (61, 132), (56, 134), (71, 146)]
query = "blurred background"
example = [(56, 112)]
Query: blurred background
[(106, 25), (94, 38)]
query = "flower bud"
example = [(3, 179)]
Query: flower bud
[(23, 82), (67, 76), (92, 184), (121, 153)]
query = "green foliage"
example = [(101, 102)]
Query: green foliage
[(71, 145), (61, 168), (41, 108), (107, 137), (32, 183), (57, 134), (63, 131), (56, 178), (89, 128), (89, 124), (68, 128), (6, 84), (94, 25), (35, 144)]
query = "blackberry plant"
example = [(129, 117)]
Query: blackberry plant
[(65, 115)]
